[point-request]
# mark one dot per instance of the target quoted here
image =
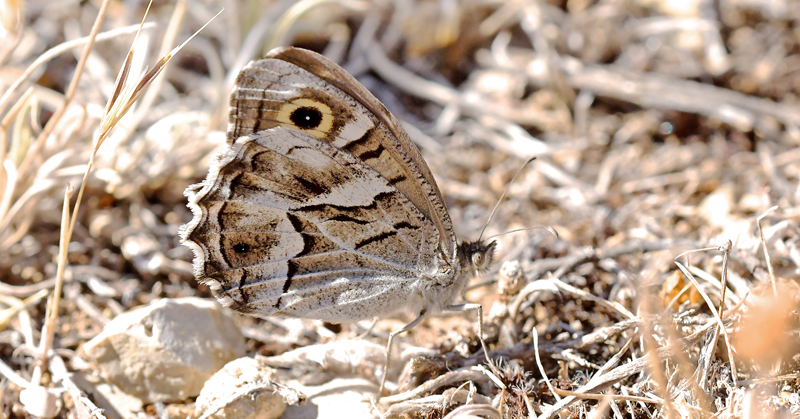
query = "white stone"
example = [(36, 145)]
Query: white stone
[(310, 369), (39, 401), (165, 351), (243, 389), (339, 398), (341, 357)]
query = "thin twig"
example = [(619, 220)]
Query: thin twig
[(472, 374), (766, 251), (618, 397), (535, 336), (16, 306), (714, 312), (12, 376), (48, 329), (85, 407)]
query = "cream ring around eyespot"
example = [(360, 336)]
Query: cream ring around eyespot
[(284, 116)]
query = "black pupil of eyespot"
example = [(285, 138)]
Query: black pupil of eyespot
[(306, 117), (241, 247)]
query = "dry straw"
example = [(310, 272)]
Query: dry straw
[(41, 401)]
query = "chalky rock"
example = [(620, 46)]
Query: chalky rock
[(243, 389), (342, 397), (39, 402), (165, 351)]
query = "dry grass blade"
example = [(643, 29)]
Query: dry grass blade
[(725, 249), (10, 178), (125, 95), (168, 40), (12, 376), (610, 396), (659, 374), (714, 312), (48, 330), (51, 123), (766, 251), (535, 336), (85, 408), (16, 306), (471, 374), (37, 399), (60, 49)]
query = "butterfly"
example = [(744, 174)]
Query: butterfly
[(322, 207)]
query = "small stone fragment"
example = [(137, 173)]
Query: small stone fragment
[(342, 397), (343, 357), (165, 351), (510, 280), (39, 401), (243, 389)]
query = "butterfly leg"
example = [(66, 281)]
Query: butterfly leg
[(369, 329), (473, 306), (406, 328)]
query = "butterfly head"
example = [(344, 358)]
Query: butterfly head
[(477, 255)]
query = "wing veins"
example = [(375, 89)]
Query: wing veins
[(404, 237), (309, 275), (347, 170), (342, 249)]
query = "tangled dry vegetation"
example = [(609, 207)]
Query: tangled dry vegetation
[(668, 144)]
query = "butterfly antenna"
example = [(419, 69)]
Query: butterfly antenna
[(505, 192), (548, 228)]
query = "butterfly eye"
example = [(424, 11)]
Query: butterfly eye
[(477, 259)]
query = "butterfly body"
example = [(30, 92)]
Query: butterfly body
[(322, 207)]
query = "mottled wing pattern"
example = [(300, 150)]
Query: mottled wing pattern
[(375, 136), (317, 209)]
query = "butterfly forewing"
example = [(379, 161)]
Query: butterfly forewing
[(361, 125)]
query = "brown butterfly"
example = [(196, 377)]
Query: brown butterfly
[(322, 207)]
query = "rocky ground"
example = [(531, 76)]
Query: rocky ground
[(668, 161)]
